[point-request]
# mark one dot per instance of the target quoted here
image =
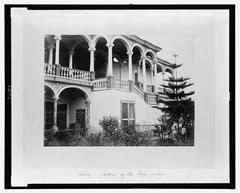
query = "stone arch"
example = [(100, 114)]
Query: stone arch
[(123, 40), (140, 48), (159, 66), (86, 38), (85, 92), (96, 39), (151, 63), (51, 88), (152, 53), (169, 70)]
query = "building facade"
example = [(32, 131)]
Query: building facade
[(88, 77)]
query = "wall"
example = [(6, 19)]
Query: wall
[(107, 102)]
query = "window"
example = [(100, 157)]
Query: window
[(127, 113)]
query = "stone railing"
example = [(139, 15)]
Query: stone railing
[(139, 92), (121, 84), (151, 98), (50, 70), (100, 83), (139, 85), (150, 88), (65, 72)]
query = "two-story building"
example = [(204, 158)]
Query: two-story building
[(91, 76)]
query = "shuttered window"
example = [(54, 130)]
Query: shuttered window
[(127, 113)]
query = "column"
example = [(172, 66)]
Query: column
[(144, 74), (88, 102), (92, 50), (70, 58), (130, 65), (110, 65), (55, 128), (130, 78), (57, 38), (152, 76), (91, 69), (155, 76), (50, 58), (163, 73), (152, 86), (138, 71)]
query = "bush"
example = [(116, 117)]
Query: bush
[(78, 129), (109, 125)]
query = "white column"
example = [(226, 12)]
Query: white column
[(110, 64), (70, 58), (55, 113), (151, 76), (163, 73), (144, 74), (155, 76), (130, 65), (57, 38), (92, 50), (50, 58), (138, 71)]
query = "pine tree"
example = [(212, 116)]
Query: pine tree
[(177, 107)]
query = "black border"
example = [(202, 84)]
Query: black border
[(232, 167)]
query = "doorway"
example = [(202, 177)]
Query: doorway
[(62, 116), (80, 117)]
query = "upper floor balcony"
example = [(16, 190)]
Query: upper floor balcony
[(84, 78), (102, 62)]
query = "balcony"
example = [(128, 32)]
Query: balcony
[(64, 74), (85, 78), (108, 83)]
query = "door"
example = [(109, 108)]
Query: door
[(62, 116), (48, 115), (80, 117)]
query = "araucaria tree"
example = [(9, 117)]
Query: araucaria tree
[(177, 121)]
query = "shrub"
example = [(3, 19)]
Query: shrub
[(136, 138), (109, 125), (78, 129), (94, 139)]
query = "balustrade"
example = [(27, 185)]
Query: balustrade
[(53, 70), (121, 84), (100, 83), (150, 88)]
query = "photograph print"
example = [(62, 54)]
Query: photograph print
[(115, 90)]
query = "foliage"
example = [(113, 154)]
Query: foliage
[(76, 127), (120, 137), (109, 125), (178, 109)]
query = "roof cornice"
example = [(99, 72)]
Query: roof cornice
[(143, 42)]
